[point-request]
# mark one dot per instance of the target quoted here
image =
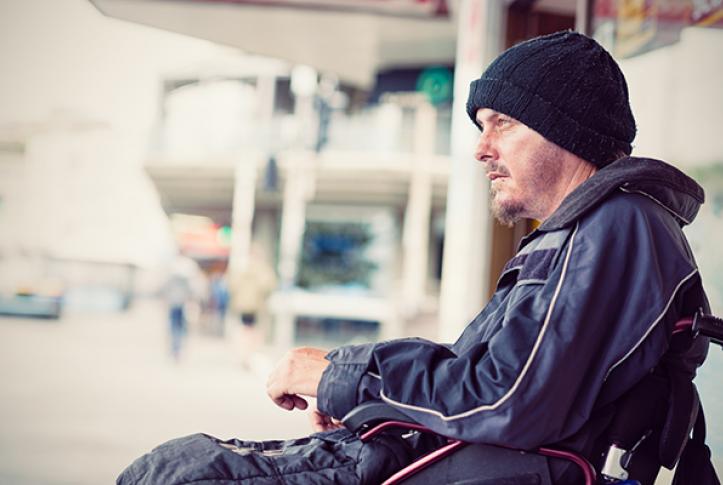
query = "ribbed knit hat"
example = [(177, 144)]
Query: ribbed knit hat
[(566, 87)]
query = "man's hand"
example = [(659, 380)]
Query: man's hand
[(321, 422), (297, 374)]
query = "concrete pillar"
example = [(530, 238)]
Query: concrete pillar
[(415, 236), (583, 16), (299, 185), (298, 189), (242, 215), (304, 87), (265, 93), (299, 176), (244, 193), (468, 222)]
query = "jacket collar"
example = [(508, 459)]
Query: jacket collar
[(661, 182)]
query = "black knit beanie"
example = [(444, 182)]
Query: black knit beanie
[(566, 87)]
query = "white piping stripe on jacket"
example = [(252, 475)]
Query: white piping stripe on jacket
[(652, 325), (645, 194), (503, 399)]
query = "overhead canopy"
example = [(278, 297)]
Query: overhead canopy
[(352, 39)]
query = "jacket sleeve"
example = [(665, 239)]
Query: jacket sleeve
[(535, 381)]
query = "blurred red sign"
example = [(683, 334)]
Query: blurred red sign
[(200, 238)]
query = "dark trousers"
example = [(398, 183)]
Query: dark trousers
[(335, 457)]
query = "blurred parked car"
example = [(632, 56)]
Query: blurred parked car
[(31, 304), (26, 289)]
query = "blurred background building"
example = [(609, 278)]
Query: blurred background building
[(325, 141)]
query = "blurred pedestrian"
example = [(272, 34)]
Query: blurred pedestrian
[(178, 293), (250, 289)]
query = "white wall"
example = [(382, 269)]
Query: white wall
[(677, 99)]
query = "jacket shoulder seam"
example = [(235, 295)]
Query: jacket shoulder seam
[(645, 194)]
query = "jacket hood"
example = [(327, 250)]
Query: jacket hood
[(663, 183)]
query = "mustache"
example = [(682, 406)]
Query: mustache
[(497, 168)]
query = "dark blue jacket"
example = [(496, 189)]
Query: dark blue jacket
[(580, 314)]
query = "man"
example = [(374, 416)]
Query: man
[(581, 313)]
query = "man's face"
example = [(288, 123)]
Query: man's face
[(522, 165)]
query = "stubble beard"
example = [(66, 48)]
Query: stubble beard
[(510, 212)]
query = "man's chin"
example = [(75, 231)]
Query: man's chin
[(506, 212)]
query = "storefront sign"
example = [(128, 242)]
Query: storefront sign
[(707, 13), (631, 27)]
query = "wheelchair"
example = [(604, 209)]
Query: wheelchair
[(637, 443)]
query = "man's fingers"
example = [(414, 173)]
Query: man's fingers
[(317, 422), (290, 402), (299, 402), (284, 402), (321, 422)]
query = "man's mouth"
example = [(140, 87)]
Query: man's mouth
[(495, 175)]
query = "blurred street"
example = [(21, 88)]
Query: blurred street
[(80, 398)]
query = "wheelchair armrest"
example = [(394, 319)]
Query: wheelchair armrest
[(372, 413), (372, 417)]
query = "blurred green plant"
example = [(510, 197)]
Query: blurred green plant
[(334, 254)]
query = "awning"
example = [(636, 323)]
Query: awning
[(352, 39)]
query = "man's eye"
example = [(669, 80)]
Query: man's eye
[(502, 121)]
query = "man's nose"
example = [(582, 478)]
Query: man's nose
[(484, 151)]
